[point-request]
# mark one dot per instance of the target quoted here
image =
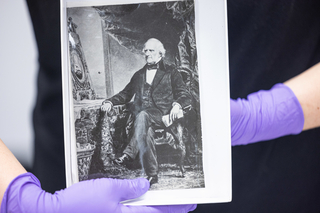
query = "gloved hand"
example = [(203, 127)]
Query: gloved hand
[(265, 115), (24, 194)]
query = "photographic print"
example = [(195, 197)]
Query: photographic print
[(136, 93), (141, 86)]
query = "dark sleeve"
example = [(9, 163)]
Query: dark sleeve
[(127, 93), (180, 91)]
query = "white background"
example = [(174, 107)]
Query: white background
[(18, 68)]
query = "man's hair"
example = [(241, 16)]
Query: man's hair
[(159, 46)]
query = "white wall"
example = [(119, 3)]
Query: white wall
[(18, 68)]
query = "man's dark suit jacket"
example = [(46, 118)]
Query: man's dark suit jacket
[(167, 87)]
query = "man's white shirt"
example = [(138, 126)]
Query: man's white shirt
[(150, 75)]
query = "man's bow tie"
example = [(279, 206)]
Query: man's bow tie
[(152, 66)]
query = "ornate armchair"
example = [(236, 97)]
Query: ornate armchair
[(178, 135)]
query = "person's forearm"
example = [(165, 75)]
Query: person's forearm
[(285, 109), (9, 168), (306, 87)]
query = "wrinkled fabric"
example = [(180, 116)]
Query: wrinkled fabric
[(265, 115), (24, 194)]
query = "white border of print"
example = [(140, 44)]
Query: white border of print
[(212, 48)]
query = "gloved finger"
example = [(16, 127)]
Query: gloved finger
[(130, 189), (176, 208), (159, 209)]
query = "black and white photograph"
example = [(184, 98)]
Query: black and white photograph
[(133, 92), (136, 93)]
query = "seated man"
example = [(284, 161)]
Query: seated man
[(158, 91)]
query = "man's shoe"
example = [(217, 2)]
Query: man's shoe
[(122, 160), (152, 179)]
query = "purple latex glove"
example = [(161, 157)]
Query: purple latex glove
[(265, 115), (24, 194)]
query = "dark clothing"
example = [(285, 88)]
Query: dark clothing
[(49, 164), (150, 103), (167, 87), (270, 41), (147, 101), (142, 140)]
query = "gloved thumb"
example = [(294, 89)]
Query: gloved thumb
[(107, 194), (130, 189)]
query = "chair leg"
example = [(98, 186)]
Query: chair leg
[(177, 132), (181, 163)]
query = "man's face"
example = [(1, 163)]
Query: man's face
[(151, 52)]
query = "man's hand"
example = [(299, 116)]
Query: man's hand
[(106, 106), (176, 112), (24, 194)]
